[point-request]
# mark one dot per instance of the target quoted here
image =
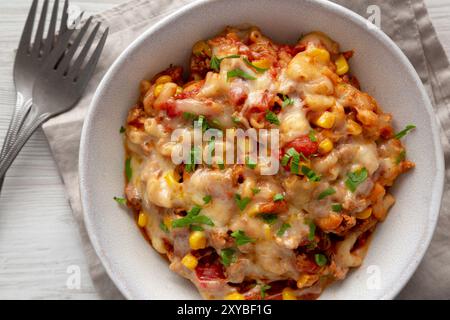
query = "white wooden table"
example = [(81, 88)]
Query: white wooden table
[(38, 238)]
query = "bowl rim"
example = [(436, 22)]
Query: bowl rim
[(438, 183)]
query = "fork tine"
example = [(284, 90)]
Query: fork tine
[(88, 70), (40, 31), (64, 64), (49, 41), (74, 70), (24, 44), (65, 16), (57, 52)]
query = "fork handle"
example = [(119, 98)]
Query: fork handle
[(25, 133), (18, 117)]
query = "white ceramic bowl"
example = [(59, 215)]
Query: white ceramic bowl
[(399, 243)]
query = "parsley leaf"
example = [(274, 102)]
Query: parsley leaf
[(122, 129), (241, 238), (310, 174), (193, 217), (269, 218), (207, 199), (120, 200), (320, 259), (256, 190), (258, 69), (240, 74), (215, 61), (354, 179), (163, 227), (327, 192), (128, 169), (312, 229), (227, 256), (194, 154), (401, 157), (249, 163), (264, 287), (241, 202), (337, 207), (272, 117), (295, 162), (189, 116), (194, 227), (287, 101), (278, 197), (283, 229), (312, 135), (404, 132)]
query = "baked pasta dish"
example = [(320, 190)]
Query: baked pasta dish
[(232, 231)]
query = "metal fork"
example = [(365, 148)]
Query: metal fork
[(29, 59), (59, 84)]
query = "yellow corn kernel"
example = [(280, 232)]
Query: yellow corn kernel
[(145, 86), (326, 120), (319, 54), (170, 179), (267, 233), (197, 240), (262, 63), (288, 294), (168, 221), (179, 90), (306, 280), (201, 47), (163, 79), (341, 65), (189, 261), (252, 211), (326, 146), (142, 220), (235, 296), (157, 90), (353, 128), (365, 214)]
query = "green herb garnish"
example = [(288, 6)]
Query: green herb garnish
[(120, 200), (337, 207), (241, 238), (240, 74), (258, 69), (401, 157), (227, 256), (264, 287), (215, 62), (194, 154), (192, 217), (312, 135), (122, 129), (404, 132), (256, 190), (278, 197), (310, 174), (194, 227), (163, 227), (189, 116), (354, 179), (312, 229), (269, 218), (287, 101), (272, 118), (283, 229), (327, 192), (207, 199), (320, 259), (249, 163), (241, 202), (128, 169)]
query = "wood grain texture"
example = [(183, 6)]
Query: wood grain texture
[(38, 237)]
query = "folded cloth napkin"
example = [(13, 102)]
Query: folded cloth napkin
[(406, 22)]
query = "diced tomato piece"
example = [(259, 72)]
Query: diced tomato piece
[(208, 272), (303, 145), (171, 109)]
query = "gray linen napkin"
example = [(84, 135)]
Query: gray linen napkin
[(406, 22)]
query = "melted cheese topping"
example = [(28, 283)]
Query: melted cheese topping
[(288, 230)]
